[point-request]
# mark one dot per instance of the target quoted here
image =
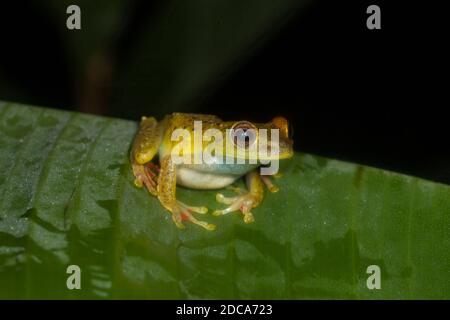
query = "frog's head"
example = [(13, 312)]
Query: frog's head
[(261, 141), (284, 141)]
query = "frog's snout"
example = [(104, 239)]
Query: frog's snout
[(283, 125), (285, 143)]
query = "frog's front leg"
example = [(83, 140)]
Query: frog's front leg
[(245, 200), (166, 191)]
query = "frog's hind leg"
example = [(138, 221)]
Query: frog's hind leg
[(245, 200), (166, 191), (145, 146), (152, 173), (144, 177)]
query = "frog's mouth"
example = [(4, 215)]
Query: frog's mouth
[(280, 156), (283, 151)]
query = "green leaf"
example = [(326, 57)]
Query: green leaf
[(67, 198)]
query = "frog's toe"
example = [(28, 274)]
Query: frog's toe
[(225, 200), (243, 203), (153, 168), (186, 215), (144, 177), (201, 210), (177, 218), (138, 183), (229, 200), (272, 188), (182, 212)]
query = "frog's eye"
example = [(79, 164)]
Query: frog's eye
[(243, 134), (283, 125)]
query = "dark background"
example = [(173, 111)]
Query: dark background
[(375, 97)]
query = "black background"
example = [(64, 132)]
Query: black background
[(376, 97), (281, 308)]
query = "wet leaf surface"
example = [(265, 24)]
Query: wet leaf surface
[(67, 197)]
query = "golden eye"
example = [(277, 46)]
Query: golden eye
[(243, 134)]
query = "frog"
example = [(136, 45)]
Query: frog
[(155, 139)]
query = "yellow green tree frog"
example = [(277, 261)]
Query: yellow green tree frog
[(155, 138)]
